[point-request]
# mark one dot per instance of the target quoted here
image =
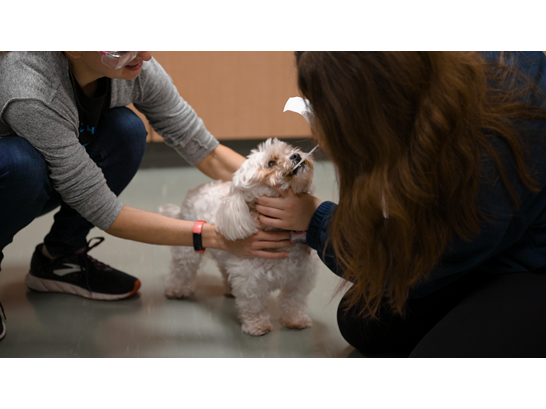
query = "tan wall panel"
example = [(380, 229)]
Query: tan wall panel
[(239, 95)]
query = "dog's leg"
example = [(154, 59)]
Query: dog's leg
[(180, 283), (228, 292), (253, 314), (293, 306), (293, 297), (250, 299)]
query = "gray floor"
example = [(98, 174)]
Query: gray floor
[(148, 324)]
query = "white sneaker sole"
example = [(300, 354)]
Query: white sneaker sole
[(51, 286)]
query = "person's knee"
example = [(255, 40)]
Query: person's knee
[(24, 171), (353, 329), (130, 133), (24, 186), (127, 124), (383, 334)]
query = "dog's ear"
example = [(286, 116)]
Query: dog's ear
[(248, 175), (233, 220)]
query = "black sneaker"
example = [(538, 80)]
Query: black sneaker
[(79, 274), (2, 325)]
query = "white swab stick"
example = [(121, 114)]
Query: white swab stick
[(301, 161)]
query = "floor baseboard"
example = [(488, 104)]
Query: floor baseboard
[(159, 155)]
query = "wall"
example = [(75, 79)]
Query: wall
[(239, 95)]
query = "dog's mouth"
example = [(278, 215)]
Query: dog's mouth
[(298, 169)]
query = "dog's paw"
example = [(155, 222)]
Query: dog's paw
[(257, 329), (300, 321), (177, 288)]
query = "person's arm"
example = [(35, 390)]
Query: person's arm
[(151, 228), (221, 163), (73, 174)]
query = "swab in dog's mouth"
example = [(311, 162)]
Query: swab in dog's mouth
[(301, 161)]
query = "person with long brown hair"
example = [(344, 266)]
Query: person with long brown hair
[(440, 229)]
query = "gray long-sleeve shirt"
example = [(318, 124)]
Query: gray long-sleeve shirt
[(37, 103)]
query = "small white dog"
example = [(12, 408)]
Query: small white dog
[(229, 205)]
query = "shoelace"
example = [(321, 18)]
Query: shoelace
[(86, 261)]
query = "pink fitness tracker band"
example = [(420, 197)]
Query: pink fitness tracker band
[(197, 242)]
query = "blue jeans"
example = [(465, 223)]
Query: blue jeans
[(26, 191)]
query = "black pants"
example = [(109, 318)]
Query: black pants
[(498, 316)]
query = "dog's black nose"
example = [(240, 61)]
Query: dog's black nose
[(295, 157)]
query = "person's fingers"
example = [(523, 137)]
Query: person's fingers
[(269, 254)]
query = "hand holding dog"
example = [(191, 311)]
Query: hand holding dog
[(262, 244), (289, 211)]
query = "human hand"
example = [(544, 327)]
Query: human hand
[(264, 244), (289, 211)]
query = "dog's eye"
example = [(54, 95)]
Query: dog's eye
[(271, 163)]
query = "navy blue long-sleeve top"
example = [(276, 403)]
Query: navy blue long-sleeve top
[(511, 239)]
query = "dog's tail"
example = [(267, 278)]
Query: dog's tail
[(170, 210)]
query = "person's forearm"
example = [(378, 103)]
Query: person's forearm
[(146, 227), (151, 228), (221, 163)]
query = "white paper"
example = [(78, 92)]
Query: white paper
[(300, 106)]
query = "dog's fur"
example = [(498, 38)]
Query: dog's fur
[(229, 205)]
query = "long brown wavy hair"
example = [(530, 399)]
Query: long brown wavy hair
[(407, 132)]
